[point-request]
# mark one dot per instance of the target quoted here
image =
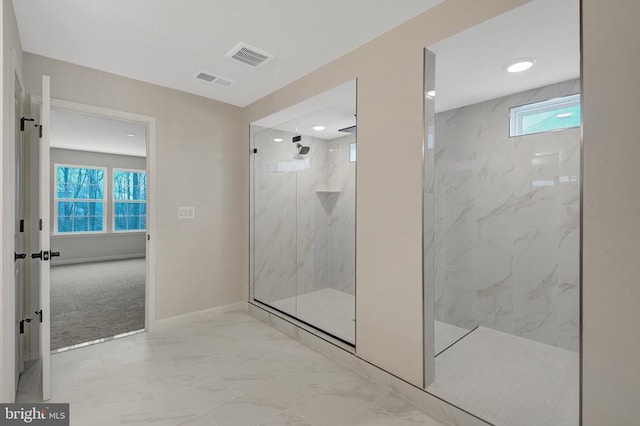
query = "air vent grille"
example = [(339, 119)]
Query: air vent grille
[(206, 77), (215, 79), (223, 82), (249, 55)]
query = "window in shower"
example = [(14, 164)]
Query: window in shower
[(303, 213), (546, 116)]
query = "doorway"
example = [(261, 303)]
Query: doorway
[(99, 220)]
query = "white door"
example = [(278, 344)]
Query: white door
[(44, 313), (18, 239)]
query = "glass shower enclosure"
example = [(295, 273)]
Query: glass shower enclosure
[(303, 214)]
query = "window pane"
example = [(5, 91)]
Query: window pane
[(129, 185), (120, 223), (545, 116), (95, 223), (120, 209), (96, 209), (80, 224), (65, 208), (562, 118), (133, 209), (64, 224), (81, 209), (133, 222)]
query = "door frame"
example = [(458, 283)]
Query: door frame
[(151, 246)]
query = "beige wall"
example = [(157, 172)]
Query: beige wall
[(611, 221), (389, 70), (201, 263)]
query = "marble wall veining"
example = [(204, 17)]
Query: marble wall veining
[(342, 215), (303, 216), (507, 222)]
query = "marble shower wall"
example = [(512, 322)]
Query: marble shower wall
[(300, 231), (507, 222), (342, 215)]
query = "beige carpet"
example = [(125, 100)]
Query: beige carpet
[(94, 300)]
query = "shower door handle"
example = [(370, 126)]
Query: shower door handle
[(54, 254)]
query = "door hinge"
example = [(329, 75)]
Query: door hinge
[(21, 225), (22, 324), (41, 224), (22, 120), (39, 313), (255, 150), (39, 126)]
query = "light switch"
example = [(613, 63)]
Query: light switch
[(186, 212)]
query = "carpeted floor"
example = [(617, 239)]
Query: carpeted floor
[(94, 300)]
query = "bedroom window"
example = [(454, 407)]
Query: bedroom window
[(79, 199), (129, 200)]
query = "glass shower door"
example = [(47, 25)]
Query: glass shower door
[(304, 183), (275, 230)]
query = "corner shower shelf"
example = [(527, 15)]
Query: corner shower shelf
[(328, 191)]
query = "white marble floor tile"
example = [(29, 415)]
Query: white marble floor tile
[(288, 417), (224, 369)]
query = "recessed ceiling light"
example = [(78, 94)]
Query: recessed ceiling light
[(564, 115), (277, 140), (130, 134), (519, 65), (431, 93), (318, 128)]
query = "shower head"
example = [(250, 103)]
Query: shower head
[(303, 150)]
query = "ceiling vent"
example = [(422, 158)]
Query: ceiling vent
[(215, 79), (206, 77), (249, 55)]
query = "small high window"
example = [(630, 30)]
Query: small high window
[(546, 116)]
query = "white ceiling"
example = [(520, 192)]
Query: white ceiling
[(470, 65), (334, 109), (166, 42), (85, 132)]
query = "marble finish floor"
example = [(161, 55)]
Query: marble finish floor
[(333, 311), (218, 369), (330, 310), (509, 380)]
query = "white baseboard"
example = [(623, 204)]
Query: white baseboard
[(238, 306), (98, 259)]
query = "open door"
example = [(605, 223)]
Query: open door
[(18, 239), (43, 314)]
